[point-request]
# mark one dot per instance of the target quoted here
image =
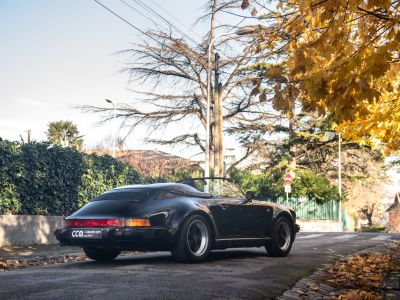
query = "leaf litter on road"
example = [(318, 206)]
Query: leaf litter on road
[(360, 276)]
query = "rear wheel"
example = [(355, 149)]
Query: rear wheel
[(194, 241), (282, 238), (101, 254)]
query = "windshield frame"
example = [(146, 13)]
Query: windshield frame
[(243, 195)]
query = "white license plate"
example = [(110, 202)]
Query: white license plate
[(86, 233)]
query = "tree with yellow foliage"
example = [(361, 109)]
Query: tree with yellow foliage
[(342, 59)]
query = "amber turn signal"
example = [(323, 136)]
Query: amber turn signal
[(137, 223)]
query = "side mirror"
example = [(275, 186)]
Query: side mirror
[(249, 196)]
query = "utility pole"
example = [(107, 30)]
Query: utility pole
[(115, 125), (340, 178), (209, 128), (29, 135), (218, 156)]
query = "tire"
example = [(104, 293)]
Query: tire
[(194, 240), (281, 239), (101, 254)]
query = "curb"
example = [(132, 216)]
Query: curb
[(9, 264)]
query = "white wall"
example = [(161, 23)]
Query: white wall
[(25, 230), (319, 226)]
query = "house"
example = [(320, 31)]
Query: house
[(394, 215), (229, 158), (152, 163)]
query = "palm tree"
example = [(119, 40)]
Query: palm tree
[(64, 134)]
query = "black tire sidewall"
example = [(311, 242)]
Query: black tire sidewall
[(272, 246), (101, 254), (182, 251)]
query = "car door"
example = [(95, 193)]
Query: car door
[(237, 218), (228, 217), (256, 219)]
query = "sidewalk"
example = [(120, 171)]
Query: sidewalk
[(365, 275), (12, 257)]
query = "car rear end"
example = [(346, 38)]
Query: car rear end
[(115, 219)]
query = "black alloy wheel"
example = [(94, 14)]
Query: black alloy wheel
[(282, 238), (194, 241)]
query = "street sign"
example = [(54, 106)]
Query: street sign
[(288, 178), (288, 188)]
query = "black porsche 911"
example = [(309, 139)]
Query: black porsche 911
[(180, 218)]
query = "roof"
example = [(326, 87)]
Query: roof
[(151, 162), (154, 155), (395, 204)]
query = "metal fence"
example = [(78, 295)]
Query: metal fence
[(311, 210)]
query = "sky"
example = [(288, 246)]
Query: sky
[(57, 54)]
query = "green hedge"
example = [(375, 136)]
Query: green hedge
[(40, 179)]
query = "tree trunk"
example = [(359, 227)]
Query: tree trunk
[(369, 218), (214, 134)]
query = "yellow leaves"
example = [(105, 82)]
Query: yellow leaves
[(274, 73), (298, 63), (362, 273), (363, 83), (374, 4), (345, 62), (263, 97), (381, 117), (359, 295)]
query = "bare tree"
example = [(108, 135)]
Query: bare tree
[(174, 74)]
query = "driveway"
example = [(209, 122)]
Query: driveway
[(245, 273)]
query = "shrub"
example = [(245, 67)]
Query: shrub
[(374, 228), (10, 170), (37, 178), (103, 173), (269, 185)]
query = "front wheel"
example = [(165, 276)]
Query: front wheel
[(281, 239), (194, 240), (101, 254)]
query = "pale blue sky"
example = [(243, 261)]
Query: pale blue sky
[(59, 53)]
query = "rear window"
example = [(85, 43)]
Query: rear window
[(121, 195)]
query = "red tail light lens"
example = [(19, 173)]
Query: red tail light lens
[(107, 223), (95, 223)]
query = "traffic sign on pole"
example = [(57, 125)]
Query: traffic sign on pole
[(288, 178), (288, 188)]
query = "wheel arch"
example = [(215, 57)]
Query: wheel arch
[(287, 215)]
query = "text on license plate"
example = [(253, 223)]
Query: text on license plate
[(86, 233)]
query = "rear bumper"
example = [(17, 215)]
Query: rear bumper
[(122, 238)]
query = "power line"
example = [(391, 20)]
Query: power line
[(133, 26), (157, 15), (145, 6), (138, 11), (143, 32), (126, 21), (234, 27), (176, 19)]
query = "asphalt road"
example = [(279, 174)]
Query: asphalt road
[(246, 273)]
